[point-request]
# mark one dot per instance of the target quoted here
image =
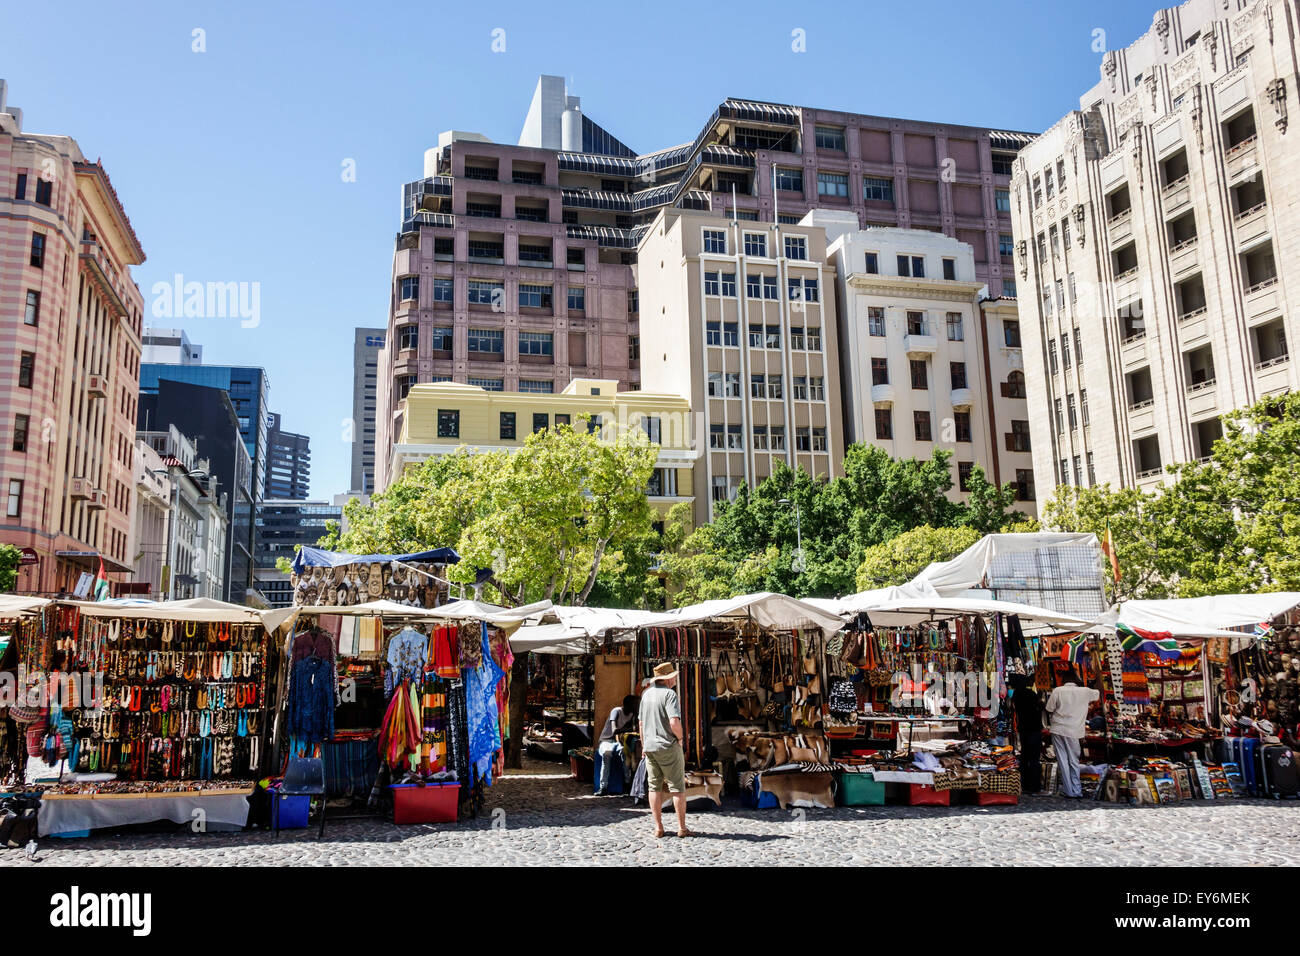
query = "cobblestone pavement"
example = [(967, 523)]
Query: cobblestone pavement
[(542, 817)]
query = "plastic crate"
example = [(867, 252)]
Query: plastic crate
[(431, 803), (755, 799), (996, 799), (289, 811), (924, 795), (860, 790), (583, 770)]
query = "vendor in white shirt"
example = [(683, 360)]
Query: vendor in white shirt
[(608, 750), (1068, 707)]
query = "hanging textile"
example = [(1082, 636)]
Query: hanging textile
[(445, 652), (1136, 691), (311, 700), (400, 733), (1015, 637), (481, 708), (407, 653), (458, 733), (505, 659)]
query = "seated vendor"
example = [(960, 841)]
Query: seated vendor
[(608, 750)]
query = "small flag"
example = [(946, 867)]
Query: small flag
[(1263, 630), (1108, 548), (1160, 643), (101, 582), (1073, 649)]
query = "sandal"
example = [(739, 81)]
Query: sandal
[(686, 833)]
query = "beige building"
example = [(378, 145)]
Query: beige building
[(924, 365), (740, 317), (1150, 226), (439, 418)]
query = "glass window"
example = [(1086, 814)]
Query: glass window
[(774, 386), (444, 290), (562, 418), (955, 331), (536, 343), (921, 425), (829, 137), (713, 333), (790, 180), (770, 288), (873, 263), (760, 437), (1024, 484), (884, 424), (534, 296), (21, 424), (950, 269), (1002, 200), (410, 287), (711, 283), (491, 341), (796, 337), (961, 421), (32, 310), (833, 184), (816, 388), (38, 250), (813, 339), (732, 381), (14, 507), (731, 334), (1006, 246), (448, 423), (484, 293), (537, 386), (879, 371), (778, 437), (577, 299), (441, 339), (715, 241), (488, 384), (754, 285), (729, 284), (919, 377), (876, 320), (26, 369), (507, 426), (772, 337), (758, 386), (1011, 333), (957, 372), (877, 189), (540, 421), (408, 337), (799, 387), (796, 247), (756, 244)]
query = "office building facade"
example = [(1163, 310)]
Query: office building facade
[(282, 525), (169, 347), (517, 264), (288, 463), (1151, 226), (70, 321), (366, 346)]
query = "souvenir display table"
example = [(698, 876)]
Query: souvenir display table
[(200, 803)]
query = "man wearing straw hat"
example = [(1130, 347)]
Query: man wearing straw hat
[(661, 740)]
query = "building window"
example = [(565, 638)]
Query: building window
[(1065, 352), (32, 311), (1024, 484), (811, 291), (720, 488), (921, 425), (1009, 288), (20, 186), (484, 293), (1078, 348), (410, 288), (1060, 417), (799, 387), (884, 424), (408, 337), (577, 299), (715, 241), (879, 371), (774, 386), (1014, 386), (955, 331), (488, 384), (963, 475), (803, 439), (873, 263), (541, 422), (441, 339), (754, 285), (634, 348), (875, 320), (38, 250), (778, 437), (444, 290), (15, 504), (448, 423), (796, 247), (813, 339), (26, 369), (950, 269), (711, 283), (817, 388), (729, 284), (919, 380), (875, 189), (770, 288), (1006, 246), (829, 137), (633, 302), (404, 383), (957, 372), (536, 343), (913, 266), (1083, 405), (1002, 200), (756, 244), (961, 421), (731, 384), (760, 438), (797, 337), (1051, 356), (507, 426), (1078, 472), (1011, 333), (735, 438), (537, 386), (489, 341), (789, 180), (1092, 475), (731, 334), (534, 296), (1018, 439), (833, 184), (713, 333), (21, 423), (916, 323), (1072, 411), (45, 191), (757, 386)]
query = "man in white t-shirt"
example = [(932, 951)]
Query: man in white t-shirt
[(1068, 706)]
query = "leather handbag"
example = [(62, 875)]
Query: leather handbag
[(815, 685), (748, 677), (801, 752), (778, 668), (852, 652), (810, 662), (720, 675)]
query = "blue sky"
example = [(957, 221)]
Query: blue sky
[(230, 161)]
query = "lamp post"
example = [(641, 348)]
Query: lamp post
[(170, 571), (798, 565)]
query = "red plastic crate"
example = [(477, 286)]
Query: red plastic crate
[(996, 799), (924, 795), (581, 769), (432, 803)]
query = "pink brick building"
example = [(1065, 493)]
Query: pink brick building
[(70, 318)]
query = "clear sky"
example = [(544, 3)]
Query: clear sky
[(230, 161)]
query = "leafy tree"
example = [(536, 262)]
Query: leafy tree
[(903, 557), (990, 509), (10, 559)]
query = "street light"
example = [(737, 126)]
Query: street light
[(798, 565), (170, 570)]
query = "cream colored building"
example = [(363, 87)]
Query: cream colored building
[(1151, 229), (923, 366), (440, 418), (739, 316)]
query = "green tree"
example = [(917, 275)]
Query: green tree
[(903, 557), (10, 558)]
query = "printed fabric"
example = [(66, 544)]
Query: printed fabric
[(407, 653), (446, 656), (481, 707)]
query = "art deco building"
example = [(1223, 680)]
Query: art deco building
[(1153, 227)]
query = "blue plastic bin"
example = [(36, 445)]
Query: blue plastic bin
[(289, 812)]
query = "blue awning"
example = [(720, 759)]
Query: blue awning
[(317, 558)]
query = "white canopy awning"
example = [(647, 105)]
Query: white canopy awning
[(917, 610), (1200, 616), (206, 610), (13, 605), (764, 608), (855, 604), (505, 617), (970, 568)]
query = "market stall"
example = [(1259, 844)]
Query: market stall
[(138, 711)]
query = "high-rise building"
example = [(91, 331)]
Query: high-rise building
[(366, 345), (70, 317), (206, 416), (169, 347), (517, 263), (745, 328), (917, 356), (248, 388), (1150, 226), (288, 469), (282, 524)]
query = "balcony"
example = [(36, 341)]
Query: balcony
[(1183, 258), (97, 385), (882, 394), (1142, 416), (79, 488), (1120, 226), (1242, 159), (439, 220), (962, 398), (1202, 398), (1251, 223), (1273, 375), (98, 499), (920, 344), (1177, 194)]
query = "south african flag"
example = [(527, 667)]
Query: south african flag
[(1160, 643)]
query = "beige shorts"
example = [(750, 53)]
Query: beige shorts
[(666, 770)]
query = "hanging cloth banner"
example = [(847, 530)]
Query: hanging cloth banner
[(1160, 643)]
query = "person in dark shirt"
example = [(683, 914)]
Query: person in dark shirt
[(1029, 725)]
